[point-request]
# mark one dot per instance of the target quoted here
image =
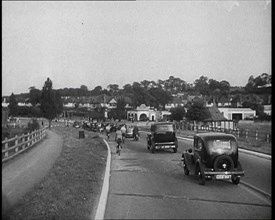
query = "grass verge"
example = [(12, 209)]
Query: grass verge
[(72, 188)]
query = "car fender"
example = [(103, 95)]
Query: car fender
[(199, 163)]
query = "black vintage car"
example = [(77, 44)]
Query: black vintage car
[(215, 156), (163, 136)]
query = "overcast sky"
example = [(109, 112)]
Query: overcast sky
[(117, 42)]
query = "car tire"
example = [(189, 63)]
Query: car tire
[(175, 150), (236, 180), (201, 176), (223, 160), (186, 171)]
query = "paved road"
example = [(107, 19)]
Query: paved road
[(20, 174), (153, 186)]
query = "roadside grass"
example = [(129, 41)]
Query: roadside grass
[(263, 127), (72, 188)]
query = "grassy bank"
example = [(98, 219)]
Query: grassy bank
[(72, 187)]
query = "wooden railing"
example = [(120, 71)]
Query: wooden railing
[(16, 145)]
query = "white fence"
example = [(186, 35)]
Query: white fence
[(16, 145)]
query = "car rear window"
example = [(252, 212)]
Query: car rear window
[(164, 128), (221, 144)]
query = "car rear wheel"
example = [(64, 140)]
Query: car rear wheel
[(236, 180), (175, 150)]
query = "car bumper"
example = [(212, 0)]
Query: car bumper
[(165, 145), (223, 174)]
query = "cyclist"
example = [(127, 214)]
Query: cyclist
[(118, 139), (123, 130), (108, 129), (135, 132)]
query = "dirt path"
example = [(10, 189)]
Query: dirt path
[(23, 172)]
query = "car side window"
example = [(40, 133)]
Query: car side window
[(197, 144)]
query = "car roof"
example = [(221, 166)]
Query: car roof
[(215, 135)]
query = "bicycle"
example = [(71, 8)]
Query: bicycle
[(119, 146)]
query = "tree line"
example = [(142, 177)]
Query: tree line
[(155, 94)]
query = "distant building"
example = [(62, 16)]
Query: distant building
[(144, 112), (237, 113), (267, 109)]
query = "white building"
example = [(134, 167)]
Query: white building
[(143, 111), (267, 109), (237, 113)]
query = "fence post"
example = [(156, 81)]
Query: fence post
[(256, 135), (6, 147), (24, 140), (16, 143), (28, 139)]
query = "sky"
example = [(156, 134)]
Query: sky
[(97, 43)]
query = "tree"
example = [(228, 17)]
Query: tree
[(35, 95), (51, 103), (113, 89), (83, 91), (97, 90), (160, 97), (13, 105), (202, 85), (177, 113), (196, 111)]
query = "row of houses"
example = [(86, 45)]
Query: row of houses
[(104, 101)]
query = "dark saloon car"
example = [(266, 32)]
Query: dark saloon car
[(163, 136), (214, 156)]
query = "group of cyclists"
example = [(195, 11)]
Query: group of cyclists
[(121, 135)]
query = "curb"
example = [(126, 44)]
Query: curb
[(267, 195), (100, 212)]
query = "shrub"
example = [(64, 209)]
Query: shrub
[(32, 125)]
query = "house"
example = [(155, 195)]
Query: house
[(90, 102), (237, 113), (104, 101), (176, 101), (5, 102), (224, 102), (215, 119), (267, 109)]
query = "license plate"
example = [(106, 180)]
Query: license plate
[(223, 177), (165, 147)]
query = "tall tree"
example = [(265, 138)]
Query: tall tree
[(97, 90), (202, 85), (13, 105), (113, 89), (51, 103), (35, 95)]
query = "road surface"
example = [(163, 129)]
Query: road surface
[(153, 186)]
